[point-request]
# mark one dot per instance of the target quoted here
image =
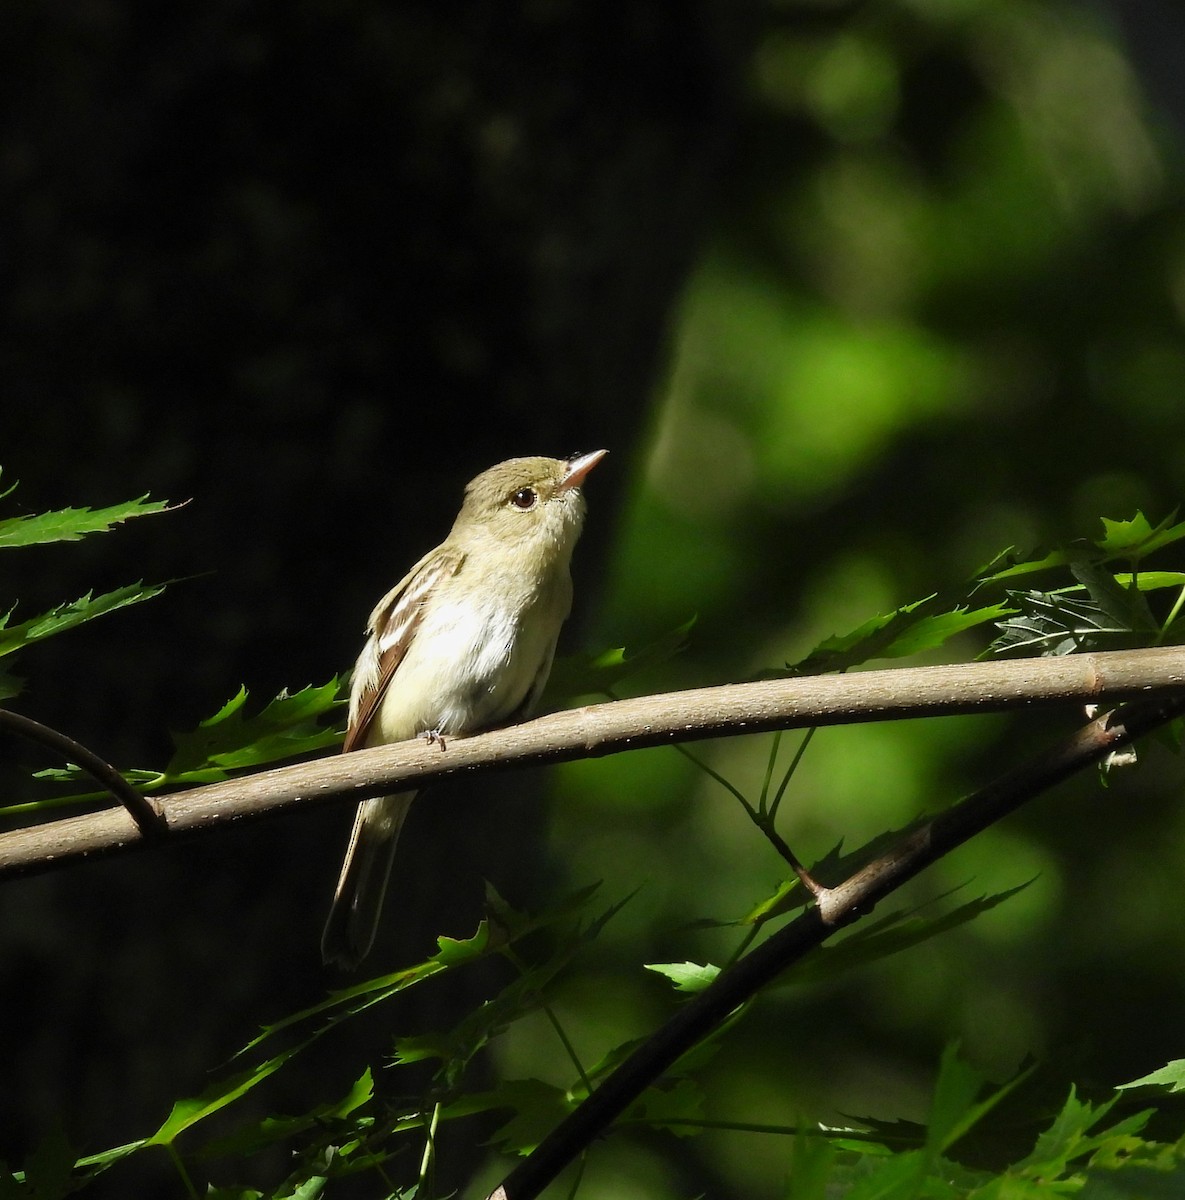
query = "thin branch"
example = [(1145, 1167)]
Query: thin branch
[(148, 819), (838, 907), (618, 726)]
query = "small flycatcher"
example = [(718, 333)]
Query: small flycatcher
[(464, 641)]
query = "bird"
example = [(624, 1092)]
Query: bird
[(462, 643)]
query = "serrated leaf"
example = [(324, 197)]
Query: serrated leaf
[(1150, 581), (73, 524), (312, 1188), (1170, 1077), (1053, 623), (1136, 539), (1069, 1138), (523, 995), (923, 625), (686, 976), (842, 651), (889, 935), (1133, 1181), (931, 632), (232, 740), (49, 1169), (956, 1108), (812, 1161), (598, 674), (68, 616), (1126, 607), (993, 573), (188, 1112), (676, 1107), (349, 1001), (271, 1130), (537, 1106)]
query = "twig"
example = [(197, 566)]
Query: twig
[(839, 906), (149, 820), (603, 729)]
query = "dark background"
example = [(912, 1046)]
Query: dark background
[(856, 294)]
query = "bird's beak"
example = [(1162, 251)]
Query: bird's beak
[(578, 467)]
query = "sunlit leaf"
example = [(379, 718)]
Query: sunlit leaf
[(232, 740), (72, 524), (1170, 1077), (686, 976), (68, 616), (258, 1135), (1136, 539)]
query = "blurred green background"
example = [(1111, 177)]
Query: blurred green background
[(858, 294)]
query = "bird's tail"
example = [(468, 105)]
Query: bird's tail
[(358, 900)]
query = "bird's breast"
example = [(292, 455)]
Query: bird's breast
[(472, 662)]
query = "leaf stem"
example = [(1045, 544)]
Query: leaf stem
[(549, 1013), (724, 783), (171, 1150), (429, 1147), (769, 771), (1173, 614), (806, 741)]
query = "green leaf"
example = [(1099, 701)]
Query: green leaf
[(889, 935), (686, 976), (1126, 607), (1132, 1181), (911, 629), (73, 524), (189, 1112), (67, 616), (677, 1107), (49, 1169), (1054, 623), (10, 685), (931, 632), (1170, 1077), (1136, 539), (1150, 581), (537, 1106), (258, 1136), (993, 573), (812, 1161), (1069, 1138), (350, 1001), (955, 1109), (841, 651), (598, 674), (523, 995), (231, 740)]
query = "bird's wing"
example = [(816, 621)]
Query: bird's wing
[(392, 626)]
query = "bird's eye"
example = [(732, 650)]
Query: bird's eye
[(525, 498)]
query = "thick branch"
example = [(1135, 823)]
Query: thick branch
[(623, 725), (837, 907)]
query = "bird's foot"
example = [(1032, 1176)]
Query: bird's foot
[(434, 737)]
